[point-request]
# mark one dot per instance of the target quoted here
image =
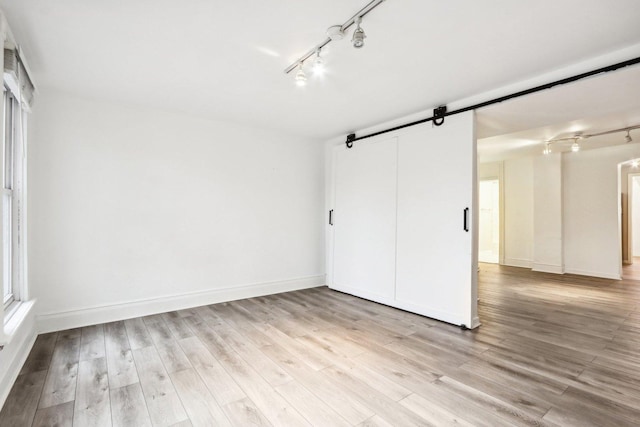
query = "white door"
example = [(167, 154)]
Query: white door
[(436, 267), (364, 219)]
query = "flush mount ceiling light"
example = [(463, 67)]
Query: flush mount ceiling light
[(335, 33), (575, 146), (358, 35)]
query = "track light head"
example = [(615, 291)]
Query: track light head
[(358, 35), (575, 147), (628, 137), (547, 149), (301, 77), (635, 163), (318, 64)]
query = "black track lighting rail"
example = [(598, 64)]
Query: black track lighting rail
[(441, 112)]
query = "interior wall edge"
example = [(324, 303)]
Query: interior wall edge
[(51, 322), (14, 355)]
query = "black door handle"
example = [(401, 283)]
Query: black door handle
[(331, 217), (465, 219)]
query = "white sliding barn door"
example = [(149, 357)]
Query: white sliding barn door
[(436, 272), (364, 218)]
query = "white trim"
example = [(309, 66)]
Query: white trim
[(518, 262), (17, 351), (548, 268), (593, 274), (57, 321)]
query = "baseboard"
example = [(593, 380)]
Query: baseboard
[(548, 268), (517, 262), (13, 356), (49, 322), (593, 274)]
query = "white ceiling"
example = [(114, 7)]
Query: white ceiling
[(225, 59)]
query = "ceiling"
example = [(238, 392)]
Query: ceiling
[(225, 59)]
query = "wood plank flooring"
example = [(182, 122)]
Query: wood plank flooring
[(551, 351)]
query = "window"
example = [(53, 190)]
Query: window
[(10, 232)]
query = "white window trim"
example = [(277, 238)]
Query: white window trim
[(15, 314)]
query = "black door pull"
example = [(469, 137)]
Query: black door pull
[(465, 219), (331, 217)]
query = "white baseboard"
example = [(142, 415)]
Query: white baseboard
[(517, 262), (593, 274), (14, 354), (49, 322), (548, 268)]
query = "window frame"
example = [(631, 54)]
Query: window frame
[(11, 218)]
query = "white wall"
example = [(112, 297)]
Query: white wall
[(548, 213), (591, 206), (135, 210), (518, 212)]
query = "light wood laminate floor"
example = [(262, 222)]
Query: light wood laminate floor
[(552, 350)]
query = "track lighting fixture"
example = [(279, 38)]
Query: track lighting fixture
[(358, 35), (334, 33), (301, 77), (575, 146)]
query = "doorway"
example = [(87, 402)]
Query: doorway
[(489, 221)]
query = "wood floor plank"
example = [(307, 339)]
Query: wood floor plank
[(202, 408), (40, 356), (59, 416), (432, 414), (128, 408), (312, 408), (163, 403), (122, 369), (22, 402), (221, 385), (137, 332), (92, 404), (92, 344), (173, 356), (244, 412), (60, 385)]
